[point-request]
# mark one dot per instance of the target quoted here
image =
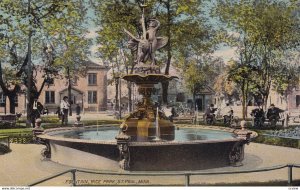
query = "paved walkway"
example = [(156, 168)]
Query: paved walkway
[(24, 165)]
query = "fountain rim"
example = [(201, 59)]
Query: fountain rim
[(47, 136)]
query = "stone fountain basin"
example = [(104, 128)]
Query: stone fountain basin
[(144, 156)]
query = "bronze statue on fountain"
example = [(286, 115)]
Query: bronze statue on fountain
[(144, 122)]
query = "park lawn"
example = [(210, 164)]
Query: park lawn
[(15, 131), (20, 135), (24, 131)]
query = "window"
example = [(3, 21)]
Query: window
[(50, 97), (2, 100), (49, 81), (92, 79), (16, 101), (92, 97), (297, 100)]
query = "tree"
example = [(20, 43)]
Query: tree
[(9, 83), (241, 74), (288, 79), (113, 17), (223, 86), (29, 25), (179, 18), (65, 42), (199, 73), (266, 29)]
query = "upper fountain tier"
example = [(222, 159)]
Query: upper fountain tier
[(148, 78)]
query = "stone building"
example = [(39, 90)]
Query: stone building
[(89, 92)]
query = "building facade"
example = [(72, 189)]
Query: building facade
[(88, 91)]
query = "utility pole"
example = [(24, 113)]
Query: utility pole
[(29, 68)]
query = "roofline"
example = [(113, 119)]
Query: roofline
[(81, 92)]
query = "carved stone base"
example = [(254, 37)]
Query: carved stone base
[(46, 152), (124, 153), (236, 155), (124, 164)]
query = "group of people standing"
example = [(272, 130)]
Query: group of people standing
[(62, 111)]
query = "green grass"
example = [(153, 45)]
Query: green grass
[(25, 131), (19, 130), (45, 119)]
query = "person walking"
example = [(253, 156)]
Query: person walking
[(64, 107)]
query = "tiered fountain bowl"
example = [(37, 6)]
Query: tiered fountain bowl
[(147, 140)]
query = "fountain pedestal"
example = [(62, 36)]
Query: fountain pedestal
[(141, 124)]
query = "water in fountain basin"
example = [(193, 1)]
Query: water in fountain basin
[(184, 134)]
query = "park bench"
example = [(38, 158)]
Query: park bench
[(294, 116), (8, 121), (187, 119), (267, 122), (281, 120)]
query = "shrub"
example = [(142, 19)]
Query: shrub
[(45, 119), (277, 141)]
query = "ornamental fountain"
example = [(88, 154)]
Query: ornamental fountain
[(147, 139)]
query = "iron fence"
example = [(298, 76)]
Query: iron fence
[(186, 175)]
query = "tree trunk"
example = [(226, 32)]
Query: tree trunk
[(117, 94), (69, 92), (129, 86), (194, 99), (246, 97), (30, 98), (120, 98), (265, 97), (30, 115), (12, 104), (165, 86), (243, 100)]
